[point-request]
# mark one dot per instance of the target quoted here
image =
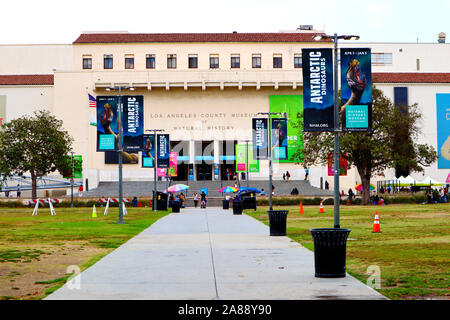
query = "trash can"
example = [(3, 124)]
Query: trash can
[(249, 200), (277, 222), (160, 201), (225, 204), (237, 207), (329, 251), (175, 205)]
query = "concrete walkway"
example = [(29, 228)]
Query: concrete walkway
[(210, 254)]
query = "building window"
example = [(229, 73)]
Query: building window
[(129, 62), (277, 61), (214, 61), (87, 62), (108, 61), (256, 61), (150, 61), (171, 61), (235, 61), (297, 60), (382, 59), (193, 61)]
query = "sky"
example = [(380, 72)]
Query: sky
[(49, 21)]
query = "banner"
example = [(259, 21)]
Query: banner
[(443, 129), (77, 167), (163, 149), (148, 151), (259, 135), (291, 106), (107, 128), (241, 155), (356, 89), (279, 139), (133, 123), (112, 157), (173, 171), (318, 92), (342, 165)]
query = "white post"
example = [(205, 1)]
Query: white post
[(106, 208), (36, 207), (124, 208), (52, 210)]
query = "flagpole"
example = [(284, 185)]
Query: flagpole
[(86, 165)]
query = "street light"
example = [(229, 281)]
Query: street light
[(155, 207), (269, 129), (120, 149), (335, 38)]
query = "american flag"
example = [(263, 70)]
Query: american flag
[(92, 101)]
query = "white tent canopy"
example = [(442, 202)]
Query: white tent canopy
[(429, 181)]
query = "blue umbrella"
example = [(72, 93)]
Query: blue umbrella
[(249, 189)]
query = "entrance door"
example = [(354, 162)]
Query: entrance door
[(204, 171)]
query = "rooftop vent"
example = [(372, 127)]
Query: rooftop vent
[(441, 37), (305, 27)]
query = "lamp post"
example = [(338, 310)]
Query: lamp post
[(269, 129), (246, 157), (71, 184), (336, 130), (120, 147), (155, 207)]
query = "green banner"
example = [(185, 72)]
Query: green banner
[(77, 167), (241, 157), (290, 107)]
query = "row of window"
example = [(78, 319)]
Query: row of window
[(150, 61), (379, 59)]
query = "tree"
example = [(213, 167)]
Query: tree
[(373, 152), (36, 145)]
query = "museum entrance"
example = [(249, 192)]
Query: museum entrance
[(204, 159), (227, 159)]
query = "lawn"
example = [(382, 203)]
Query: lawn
[(412, 251), (35, 252)]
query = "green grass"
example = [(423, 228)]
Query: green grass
[(24, 239), (412, 250)]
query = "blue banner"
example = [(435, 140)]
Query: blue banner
[(107, 128), (356, 89), (163, 149), (260, 143), (279, 139), (443, 129), (133, 123), (148, 151), (318, 91)]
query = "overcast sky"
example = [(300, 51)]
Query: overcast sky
[(49, 21)]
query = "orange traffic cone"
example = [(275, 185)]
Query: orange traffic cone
[(301, 208), (376, 223), (321, 207)]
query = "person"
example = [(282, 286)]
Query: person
[(182, 198), (7, 194), (19, 190), (306, 173), (203, 200), (376, 199), (80, 191), (134, 202), (388, 189), (381, 202), (381, 190), (196, 197), (350, 194), (342, 193), (327, 186), (228, 174), (273, 189), (288, 175), (263, 193), (294, 191), (284, 176), (236, 185)]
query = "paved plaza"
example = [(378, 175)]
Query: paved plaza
[(205, 254)]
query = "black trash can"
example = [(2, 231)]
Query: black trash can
[(329, 251), (160, 201), (175, 206), (225, 204), (277, 222), (237, 207)]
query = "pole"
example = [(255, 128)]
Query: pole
[(71, 184), (336, 136), (246, 164), (154, 172), (270, 162), (120, 158)]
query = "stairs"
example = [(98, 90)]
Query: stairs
[(145, 188)]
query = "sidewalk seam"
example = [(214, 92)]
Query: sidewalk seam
[(212, 256)]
